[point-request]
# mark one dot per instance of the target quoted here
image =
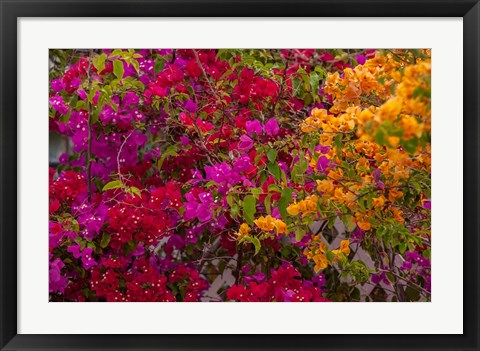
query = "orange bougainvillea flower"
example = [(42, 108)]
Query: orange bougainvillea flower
[(379, 202), (325, 186), (265, 223), (397, 215), (293, 209), (268, 223), (364, 225), (345, 247), (393, 141), (280, 226), (394, 194), (244, 230), (321, 262)]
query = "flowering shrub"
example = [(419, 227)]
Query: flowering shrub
[(241, 175)]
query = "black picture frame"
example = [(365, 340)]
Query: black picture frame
[(11, 10)]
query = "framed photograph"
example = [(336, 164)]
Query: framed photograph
[(239, 175)]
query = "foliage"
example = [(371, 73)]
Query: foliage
[(190, 165)]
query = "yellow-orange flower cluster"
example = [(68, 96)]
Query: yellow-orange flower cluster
[(317, 252), (377, 131), (268, 223), (243, 231), (309, 205)]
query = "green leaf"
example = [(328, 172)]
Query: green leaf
[(274, 170), (99, 62), (381, 136), (80, 104), (272, 155), (64, 118), (267, 203), (256, 191), (274, 187), (296, 85), (257, 245), (381, 232), (75, 225), (314, 82), (255, 242), (171, 151), (331, 222), (307, 99), (299, 169), (349, 222), (412, 294), (159, 64), (234, 211), (410, 145), (105, 240), (116, 53), (299, 234), (113, 185), (136, 191), (118, 69), (283, 176), (95, 114), (136, 65), (129, 247), (287, 194), (249, 208), (321, 71), (282, 208)]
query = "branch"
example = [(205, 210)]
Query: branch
[(89, 126), (282, 83)]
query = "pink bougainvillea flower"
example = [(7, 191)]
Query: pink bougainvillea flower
[(323, 163), (191, 106), (75, 250), (361, 59), (253, 127), (271, 127), (57, 103), (58, 85), (87, 259), (57, 282), (245, 143)]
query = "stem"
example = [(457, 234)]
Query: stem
[(396, 284), (284, 78), (239, 264), (89, 126)]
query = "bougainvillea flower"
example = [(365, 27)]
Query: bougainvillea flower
[(245, 143), (361, 59), (253, 127), (323, 163), (57, 282), (57, 103), (271, 127), (191, 106), (75, 250), (57, 85)]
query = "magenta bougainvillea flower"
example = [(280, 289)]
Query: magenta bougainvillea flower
[(254, 127), (271, 127), (245, 144)]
